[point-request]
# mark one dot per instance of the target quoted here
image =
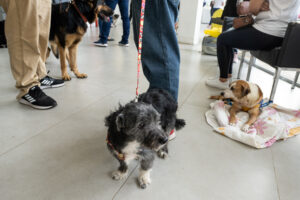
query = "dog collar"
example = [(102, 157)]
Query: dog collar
[(120, 156), (261, 104), (78, 11)]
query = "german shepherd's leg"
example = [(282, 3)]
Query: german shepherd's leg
[(73, 61), (63, 64)]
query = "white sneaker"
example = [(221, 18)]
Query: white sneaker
[(235, 58), (216, 83), (100, 44), (172, 135)]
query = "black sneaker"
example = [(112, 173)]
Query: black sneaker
[(36, 98), (123, 44), (49, 82)]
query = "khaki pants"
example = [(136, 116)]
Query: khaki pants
[(27, 29)]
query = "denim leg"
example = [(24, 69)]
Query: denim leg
[(123, 5), (160, 53), (100, 23), (105, 29)]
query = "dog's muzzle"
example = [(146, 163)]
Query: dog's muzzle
[(103, 17)]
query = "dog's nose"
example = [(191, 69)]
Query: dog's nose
[(163, 140), (222, 93)]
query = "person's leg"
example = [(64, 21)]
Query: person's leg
[(247, 38), (22, 32), (100, 23), (123, 6), (105, 29), (44, 13), (160, 53)]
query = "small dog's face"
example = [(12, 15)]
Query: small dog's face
[(104, 12), (237, 90), (141, 122)]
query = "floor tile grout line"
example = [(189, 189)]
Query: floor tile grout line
[(53, 125), (120, 188), (189, 95), (276, 179)]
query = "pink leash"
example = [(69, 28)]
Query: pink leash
[(140, 45)]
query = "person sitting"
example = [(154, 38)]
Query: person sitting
[(266, 33)]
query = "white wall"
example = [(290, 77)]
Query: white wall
[(190, 21)]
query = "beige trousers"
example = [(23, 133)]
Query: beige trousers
[(27, 29)]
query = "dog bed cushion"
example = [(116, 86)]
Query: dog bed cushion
[(274, 123)]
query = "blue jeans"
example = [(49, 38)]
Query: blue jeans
[(160, 53), (104, 27)]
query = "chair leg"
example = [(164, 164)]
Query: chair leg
[(251, 63), (275, 83), (296, 80), (241, 64)]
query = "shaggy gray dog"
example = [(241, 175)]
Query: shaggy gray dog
[(139, 130)]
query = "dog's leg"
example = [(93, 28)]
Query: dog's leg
[(218, 97), (146, 166), (163, 152), (233, 110), (73, 61), (252, 118), (63, 64), (121, 173)]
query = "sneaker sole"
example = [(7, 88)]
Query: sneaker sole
[(172, 136), (52, 86), (99, 45), (22, 101), (124, 45)]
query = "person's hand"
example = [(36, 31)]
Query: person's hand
[(265, 6)]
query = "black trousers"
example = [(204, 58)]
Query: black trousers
[(2, 34), (247, 38)]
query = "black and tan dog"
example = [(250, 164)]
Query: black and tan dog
[(68, 25), (246, 97)]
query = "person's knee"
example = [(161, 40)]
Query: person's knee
[(221, 40)]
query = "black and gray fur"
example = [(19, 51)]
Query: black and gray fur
[(139, 130)]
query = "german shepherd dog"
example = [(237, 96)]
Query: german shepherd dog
[(68, 25)]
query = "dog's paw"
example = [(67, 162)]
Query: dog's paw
[(144, 179), (232, 124), (81, 75), (245, 128), (117, 175), (66, 77), (162, 154)]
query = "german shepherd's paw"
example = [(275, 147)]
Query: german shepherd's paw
[(81, 75), (66, 77)]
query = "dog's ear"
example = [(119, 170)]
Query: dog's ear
[(120, 121)]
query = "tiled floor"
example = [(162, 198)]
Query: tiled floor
[(61, 153)]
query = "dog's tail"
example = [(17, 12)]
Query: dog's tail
[(54, 49), (179, 124)]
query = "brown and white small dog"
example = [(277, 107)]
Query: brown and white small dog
[(245, 97)]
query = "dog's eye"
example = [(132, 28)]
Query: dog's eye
[(141, 125), (231, 88)]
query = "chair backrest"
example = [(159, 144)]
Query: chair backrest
[(228, 23), (289, 56)]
